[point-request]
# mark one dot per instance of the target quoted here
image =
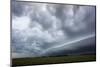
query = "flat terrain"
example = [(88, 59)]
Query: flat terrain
[(52, 60)]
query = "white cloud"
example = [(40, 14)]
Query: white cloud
[(20, 23)]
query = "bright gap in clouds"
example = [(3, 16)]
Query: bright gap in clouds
[(42, 27)]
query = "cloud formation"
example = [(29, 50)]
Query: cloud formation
[(36, 27)]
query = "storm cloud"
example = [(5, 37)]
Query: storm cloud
[(39, 28)]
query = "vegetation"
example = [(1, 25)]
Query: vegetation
[(52, 60)]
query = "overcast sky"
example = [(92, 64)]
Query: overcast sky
[(39, 28)]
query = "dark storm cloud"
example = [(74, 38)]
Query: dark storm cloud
[(39, 28), (17, 8), (81, 22)]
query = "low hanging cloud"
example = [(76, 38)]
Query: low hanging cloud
[(37, 27)]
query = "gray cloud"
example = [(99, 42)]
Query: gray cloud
[(17, 9), (37, 27)]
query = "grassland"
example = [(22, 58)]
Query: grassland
[(52, 60)]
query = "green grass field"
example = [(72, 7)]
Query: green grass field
[(52, 60)]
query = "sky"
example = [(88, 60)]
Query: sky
[(44, 29)]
